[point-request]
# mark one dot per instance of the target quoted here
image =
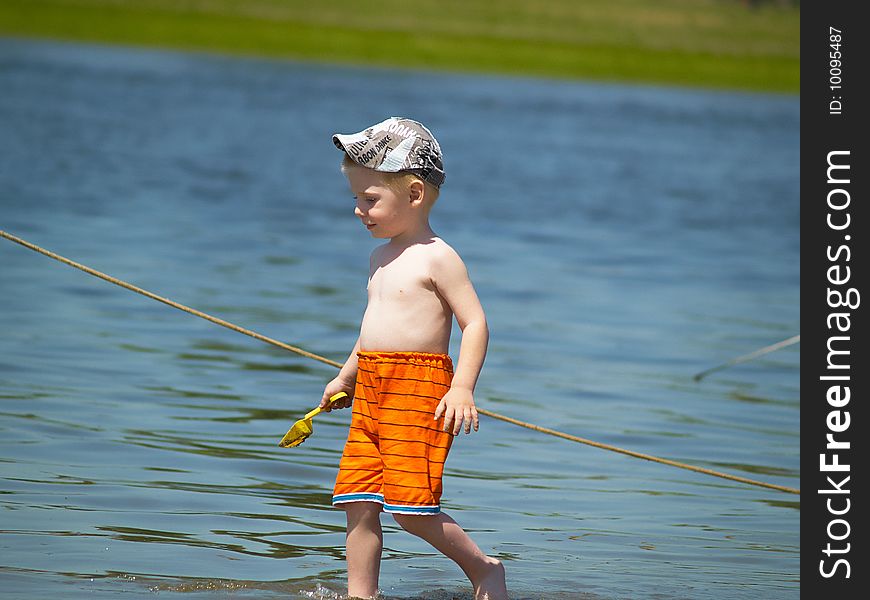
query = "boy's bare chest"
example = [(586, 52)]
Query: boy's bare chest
[(400, 280)]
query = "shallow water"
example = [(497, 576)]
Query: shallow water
[(620, 238)]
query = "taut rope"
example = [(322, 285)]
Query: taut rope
[(322, 359), (751, 356)]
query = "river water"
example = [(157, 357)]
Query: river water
[(621, 239)]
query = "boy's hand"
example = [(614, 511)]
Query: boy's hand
[(457, 408), (332, 388)]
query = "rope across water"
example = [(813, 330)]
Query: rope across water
[(333, 363)]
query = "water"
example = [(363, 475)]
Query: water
[(621, 239)]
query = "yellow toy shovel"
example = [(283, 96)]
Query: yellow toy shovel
[(302, 428)]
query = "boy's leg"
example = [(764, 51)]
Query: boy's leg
[(365, 541), (446, 536)]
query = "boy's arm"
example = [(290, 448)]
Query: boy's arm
[(451, 280), (343, 382)]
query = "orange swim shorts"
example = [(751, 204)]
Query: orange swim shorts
[(395, 450)]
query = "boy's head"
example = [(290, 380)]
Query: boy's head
[(394, 169)]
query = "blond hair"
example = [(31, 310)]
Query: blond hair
[(398, 182)]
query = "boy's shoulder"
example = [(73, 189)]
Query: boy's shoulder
[(442, 252), (441, 262)]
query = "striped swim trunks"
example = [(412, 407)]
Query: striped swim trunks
[(395, 450)]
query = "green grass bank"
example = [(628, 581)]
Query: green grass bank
[(700, 43)]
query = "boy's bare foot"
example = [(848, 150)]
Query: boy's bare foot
[(492, 585)]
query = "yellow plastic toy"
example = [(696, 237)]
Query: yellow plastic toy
[(303, 428)]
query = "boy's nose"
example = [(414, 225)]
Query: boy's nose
[(357, 211)]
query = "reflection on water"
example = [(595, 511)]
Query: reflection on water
[(621, 239)]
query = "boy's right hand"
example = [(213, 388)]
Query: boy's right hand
[(332, 388)]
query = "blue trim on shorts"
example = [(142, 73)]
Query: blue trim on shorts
[(402, 509), (362, 497), (412, 510)]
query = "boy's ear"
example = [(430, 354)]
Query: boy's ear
[(416, 191)]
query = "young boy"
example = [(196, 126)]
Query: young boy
[(408, 402)]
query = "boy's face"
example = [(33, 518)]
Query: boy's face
[(385, 213)]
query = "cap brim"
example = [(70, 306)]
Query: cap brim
[(338, 140), (343, 140)]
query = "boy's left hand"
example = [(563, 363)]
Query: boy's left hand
[(457, 408)]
